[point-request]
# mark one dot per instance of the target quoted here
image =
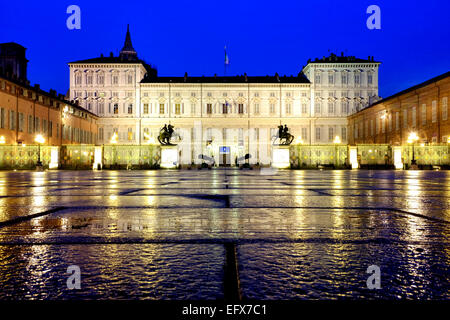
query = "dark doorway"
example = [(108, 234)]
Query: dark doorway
[(224, 156)]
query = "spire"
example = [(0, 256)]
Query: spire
[(128, 52)]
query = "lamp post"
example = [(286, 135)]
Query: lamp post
[(114, 142), (336, 141), (412, 138), (2, 140), (40, 140)]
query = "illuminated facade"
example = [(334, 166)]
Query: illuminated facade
[(222, 117)]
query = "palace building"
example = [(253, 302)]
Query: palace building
[(224, 117)]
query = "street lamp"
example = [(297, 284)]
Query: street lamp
[(40, 140), (412, 138), (2, 140), (336, 141), (113, 141)]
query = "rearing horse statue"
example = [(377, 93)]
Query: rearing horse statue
[(165, 134), (283, 136)]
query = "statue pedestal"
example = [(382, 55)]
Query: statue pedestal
[(169, 157), (280, 157)]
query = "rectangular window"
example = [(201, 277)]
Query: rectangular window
[(444, 108), (209, 108), (130, 79), (177, 108), (330, 79), (272, 108), (161, 108), (383, 125), (130, 108), (288, 108), (433, 111), (30, 124), (37, 125), (357, 78), (344, 79), (50, 129), (330, 134), (371, 127), (405, 118), (397, 121), (317, 108), (21, 121), (2, 118), (413, 117), (12, 120), (317, 134), (44, 126), (304, 134), (330, 107), (304, 108), (344, 133), (390, 121), (115, 79), (145, 108), (224, 108), (130, 134), (424, 114), (256, 108), (369, 79), (317, 79), (116, 108), (240, 108)]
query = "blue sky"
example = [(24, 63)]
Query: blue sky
[(263, 37)]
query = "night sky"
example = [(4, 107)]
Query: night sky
[(263, 37)]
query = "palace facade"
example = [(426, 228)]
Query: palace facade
[(224, 117)]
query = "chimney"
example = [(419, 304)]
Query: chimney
[(185, 76), (111, 55), (101, 55), (245, 76)]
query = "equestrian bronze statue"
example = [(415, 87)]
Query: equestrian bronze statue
[(283, 138), (166, 134)]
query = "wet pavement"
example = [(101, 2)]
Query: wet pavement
[(162, 234)]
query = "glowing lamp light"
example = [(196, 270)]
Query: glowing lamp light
[(298, 140), (337, 140), (413, 137), (448, 140), (114, 138), (39, 139), (2, 140)]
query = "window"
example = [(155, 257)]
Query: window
[(224, 108), (444, 108), (101, 79), (304, 108), (317, 107), (146, 134), (371, 127), (12, 120), (57, 130), (101, 108), (130, 134), (130, 108), (383, 125), (89, 79), (193, 108), (78, 79), (50, 129), (344, 79), (30, 124), (116, 108), (330, 133), (405, 118), (145, 108), (161, 108), (423, 115), (369, 79), (330, 107), (317, 134), (44, 126), (208, 108), (344, 133), (36, 125), (317, 79), (115, 79), (357, 78), (397, 121), (330, 79), (177, 108), (345, 107), (272, 108), (21, 122), (390, 122), (288, 108), (413, 117), (433, 111), (240, 108), (2, 118), (130, 79), (304, 134), (256, 108)]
